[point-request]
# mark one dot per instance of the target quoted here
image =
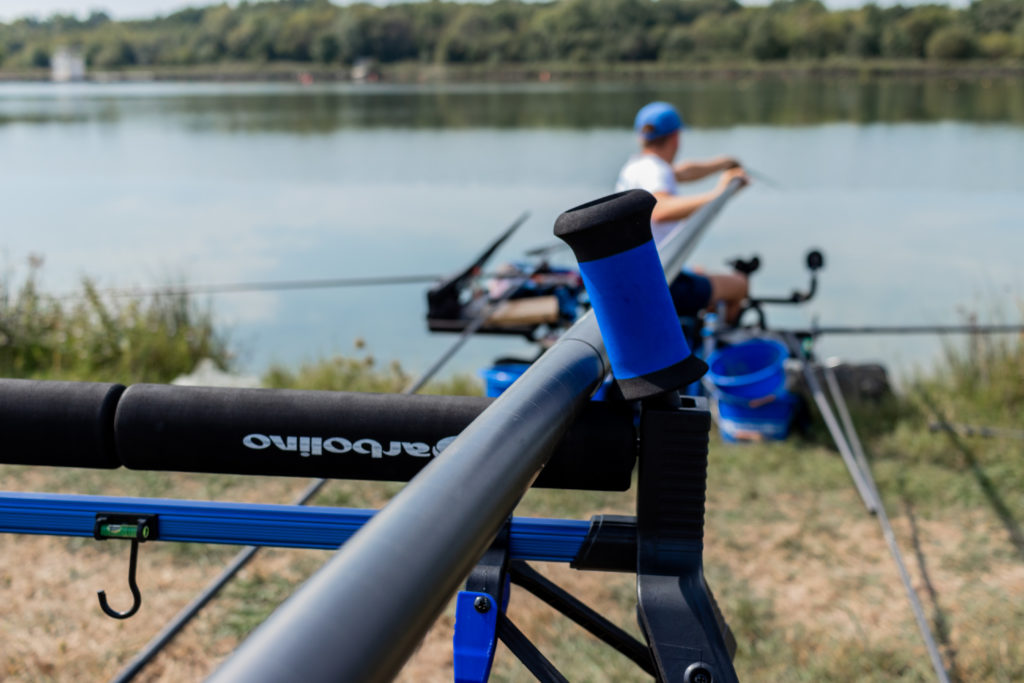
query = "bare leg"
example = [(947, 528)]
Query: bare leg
[(731, 289)]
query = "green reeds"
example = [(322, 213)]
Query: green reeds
[(87, 337), (361, 373)]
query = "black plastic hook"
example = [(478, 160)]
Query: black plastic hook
[(137, 529), (136, 594)]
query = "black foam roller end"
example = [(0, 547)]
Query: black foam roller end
[(607, 226), (64, 424)]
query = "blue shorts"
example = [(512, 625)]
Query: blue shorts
[(691, 293)]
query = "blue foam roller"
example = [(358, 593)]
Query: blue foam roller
[(619, 262)]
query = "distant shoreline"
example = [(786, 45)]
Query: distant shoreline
[(416, 72)]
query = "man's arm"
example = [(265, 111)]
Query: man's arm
[(672, 207), (675, 208), (688, 171)]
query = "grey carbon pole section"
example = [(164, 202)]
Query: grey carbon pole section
[(363, 614)]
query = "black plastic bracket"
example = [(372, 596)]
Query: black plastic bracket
[(490, 575), (480, 621), (527, 577), (689, 640)]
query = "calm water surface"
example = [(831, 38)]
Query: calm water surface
[(915, 191)]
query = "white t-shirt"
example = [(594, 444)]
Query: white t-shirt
[(654, 174)]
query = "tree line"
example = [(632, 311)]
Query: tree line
[(516, 32)]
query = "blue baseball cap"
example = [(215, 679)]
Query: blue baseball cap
[(656, 120)]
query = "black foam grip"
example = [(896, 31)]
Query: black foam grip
[(67, 424), (341, 435), (607, 226)]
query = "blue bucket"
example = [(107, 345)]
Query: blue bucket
[(500, 377), (751, 370), (761, 422), (750, 385)]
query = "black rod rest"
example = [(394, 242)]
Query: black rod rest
[(689, 640)]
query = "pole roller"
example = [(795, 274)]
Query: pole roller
[(67, 424), (621, 270)]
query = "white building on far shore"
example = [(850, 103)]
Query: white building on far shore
[(67, 65)]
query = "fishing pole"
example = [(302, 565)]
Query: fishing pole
[(266, 286), (546, 249), (166, 634), (762, 178), (975, 430), (919, 329), (315, 283), (271, 286)]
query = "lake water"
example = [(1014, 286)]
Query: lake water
[(915, 192)]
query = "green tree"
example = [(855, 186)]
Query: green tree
[(96, 18), (477, 31), (249, 40), (815, 36), (471, 36), (765, 41), (996, 45), (326, 48), (390, 37), (114, 53), (865, 36), (670, 12), (721, 35), (987, 16), (921, 22), (896, 42), (39, 57), (951, 42), (678, 44), (1018, 37)]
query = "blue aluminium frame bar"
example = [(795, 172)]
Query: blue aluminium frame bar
[(364, 613), (282, 526)]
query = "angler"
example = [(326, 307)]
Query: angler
[(654, 169)]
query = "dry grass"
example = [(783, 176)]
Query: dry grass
[(800, 570)]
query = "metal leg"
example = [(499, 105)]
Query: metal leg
[(887, 532), (866, 494), (834, 390)]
